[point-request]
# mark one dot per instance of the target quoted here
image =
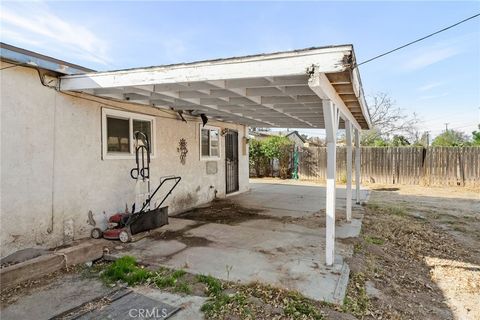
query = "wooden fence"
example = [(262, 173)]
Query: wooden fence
[(399, 165)]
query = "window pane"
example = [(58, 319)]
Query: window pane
[(205, 143), (118, 137), (214, 137), (146, 128)]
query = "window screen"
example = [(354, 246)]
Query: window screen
[(118, 135)]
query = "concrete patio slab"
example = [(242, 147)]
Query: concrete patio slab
[(291, 198), (272, 251)]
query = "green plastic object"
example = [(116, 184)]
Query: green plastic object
[(295, 164)]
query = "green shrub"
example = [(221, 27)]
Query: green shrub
[(263, 152), (126, 269)]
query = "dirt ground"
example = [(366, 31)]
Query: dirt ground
[(222, 211), (418, 257), (228, 212)]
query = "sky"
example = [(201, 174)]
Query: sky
[(438, 78)]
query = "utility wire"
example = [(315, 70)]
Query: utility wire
[(418, 40)]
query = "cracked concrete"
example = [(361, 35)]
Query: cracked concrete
[(283, 254)]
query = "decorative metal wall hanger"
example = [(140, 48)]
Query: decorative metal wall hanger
[(182, 149)]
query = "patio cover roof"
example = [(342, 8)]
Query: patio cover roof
[(283, 89)]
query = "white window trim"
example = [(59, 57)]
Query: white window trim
[(205, 158), (128, 116)]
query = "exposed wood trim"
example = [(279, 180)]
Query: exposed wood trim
[(348, 97), (320, 84), (344, 88), (339, 78)]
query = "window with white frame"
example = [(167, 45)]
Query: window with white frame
[(209, 143), (118, 128)]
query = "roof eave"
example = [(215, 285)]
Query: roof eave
[(25, 57)]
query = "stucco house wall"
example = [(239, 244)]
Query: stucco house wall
[(53, 174)]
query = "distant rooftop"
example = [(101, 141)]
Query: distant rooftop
[(277, 133)]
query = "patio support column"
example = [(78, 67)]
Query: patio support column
[(348, 199), (357, 164), (331, 118)]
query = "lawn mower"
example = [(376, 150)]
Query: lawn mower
[(122, 226)]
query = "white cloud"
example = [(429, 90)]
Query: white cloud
[(430, 56), (35, 23), (434, 96), (430, 86)]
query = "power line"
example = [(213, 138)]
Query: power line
[(418, 40)]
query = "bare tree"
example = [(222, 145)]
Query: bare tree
[(388, 120)]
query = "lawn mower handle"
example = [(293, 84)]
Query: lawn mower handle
[(147, 202)]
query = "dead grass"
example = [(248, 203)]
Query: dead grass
[(413, 256), (356, 302)]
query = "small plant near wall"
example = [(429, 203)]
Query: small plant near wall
[(182, 149)]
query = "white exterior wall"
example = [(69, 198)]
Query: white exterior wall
[(52, 172)]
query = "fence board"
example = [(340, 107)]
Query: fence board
[(400, 165)]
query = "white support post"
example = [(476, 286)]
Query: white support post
[(331, 117), (357, 164), (348, 199)]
